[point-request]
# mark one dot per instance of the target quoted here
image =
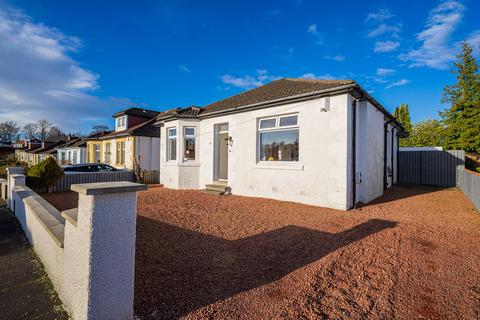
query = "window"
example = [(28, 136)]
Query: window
[(107, 152), (189, 143), (172, 144), (74, 156), (96, 153), (278, 138), (121, 152), (121, 121)]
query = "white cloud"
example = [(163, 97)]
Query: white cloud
[(385, 29), (248, 82), (383, 72), (386, 46), (379, 15), (398, 83), (40, 79), (184, 68), (338, 58), (326, 76), (313, 30), (436, 50)]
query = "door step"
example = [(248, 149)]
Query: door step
[(218, 188)]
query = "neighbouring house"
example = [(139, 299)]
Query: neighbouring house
[(20, 144), (321, 142), (72, 152), (21, 151), (134, 144), (46, 150), (23, 154)]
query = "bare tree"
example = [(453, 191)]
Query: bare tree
[(43, 126), (54, 131), (30, 130), (99, 128), (8, 130)]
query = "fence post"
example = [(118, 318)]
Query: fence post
[(3, 189), (10, 172), (100, 254), (14, 179)]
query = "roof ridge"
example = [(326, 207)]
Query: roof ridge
[(319, 80)]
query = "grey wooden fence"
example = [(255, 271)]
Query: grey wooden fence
[(90, 177), (150, 176), (433, 168), (469, 183)]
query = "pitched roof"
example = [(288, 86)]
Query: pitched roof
[(138, 112), (144, 129), (72, 143), (278, 89), (47, 148), (187, 112)]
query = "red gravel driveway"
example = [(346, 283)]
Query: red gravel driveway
[(414, 254)]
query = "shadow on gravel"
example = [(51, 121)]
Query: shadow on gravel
[(179, 270), (404, 191)]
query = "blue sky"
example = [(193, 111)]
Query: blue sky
[(77, 62)]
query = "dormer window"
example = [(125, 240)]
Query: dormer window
[(121, 123)]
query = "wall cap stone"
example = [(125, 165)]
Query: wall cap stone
[(90, 189), (71, 216)]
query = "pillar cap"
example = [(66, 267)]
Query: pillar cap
[(91, 189)]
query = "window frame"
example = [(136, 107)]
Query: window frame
[(175, 137), (185, 136), (277, 128), (95, 152), (120, 153)]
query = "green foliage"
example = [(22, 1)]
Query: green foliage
[(429, 133), (462, 119), (402, 114), (44, 174)]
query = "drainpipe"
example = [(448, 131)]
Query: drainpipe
[(354, 150), (385, 131), (393, 167), (398, 156)]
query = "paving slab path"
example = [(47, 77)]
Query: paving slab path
[(25, 290)]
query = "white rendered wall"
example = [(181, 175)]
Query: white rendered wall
[(180, 174), (320, 176), (148, 148), (91, 262), (370, 148)]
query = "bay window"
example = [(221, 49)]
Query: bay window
[(171, 144), (189, 143), (278, 138)]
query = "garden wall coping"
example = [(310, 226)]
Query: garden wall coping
[(108, 187)]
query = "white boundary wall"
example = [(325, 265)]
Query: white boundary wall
[(89, 252)]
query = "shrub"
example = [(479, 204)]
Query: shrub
[(44, 174)]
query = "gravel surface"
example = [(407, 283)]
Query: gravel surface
[(414, 254)]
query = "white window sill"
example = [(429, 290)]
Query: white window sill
[(278, 165), (182, 164)]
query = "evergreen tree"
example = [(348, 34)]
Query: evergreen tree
[(402, 114), (462, 119)]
